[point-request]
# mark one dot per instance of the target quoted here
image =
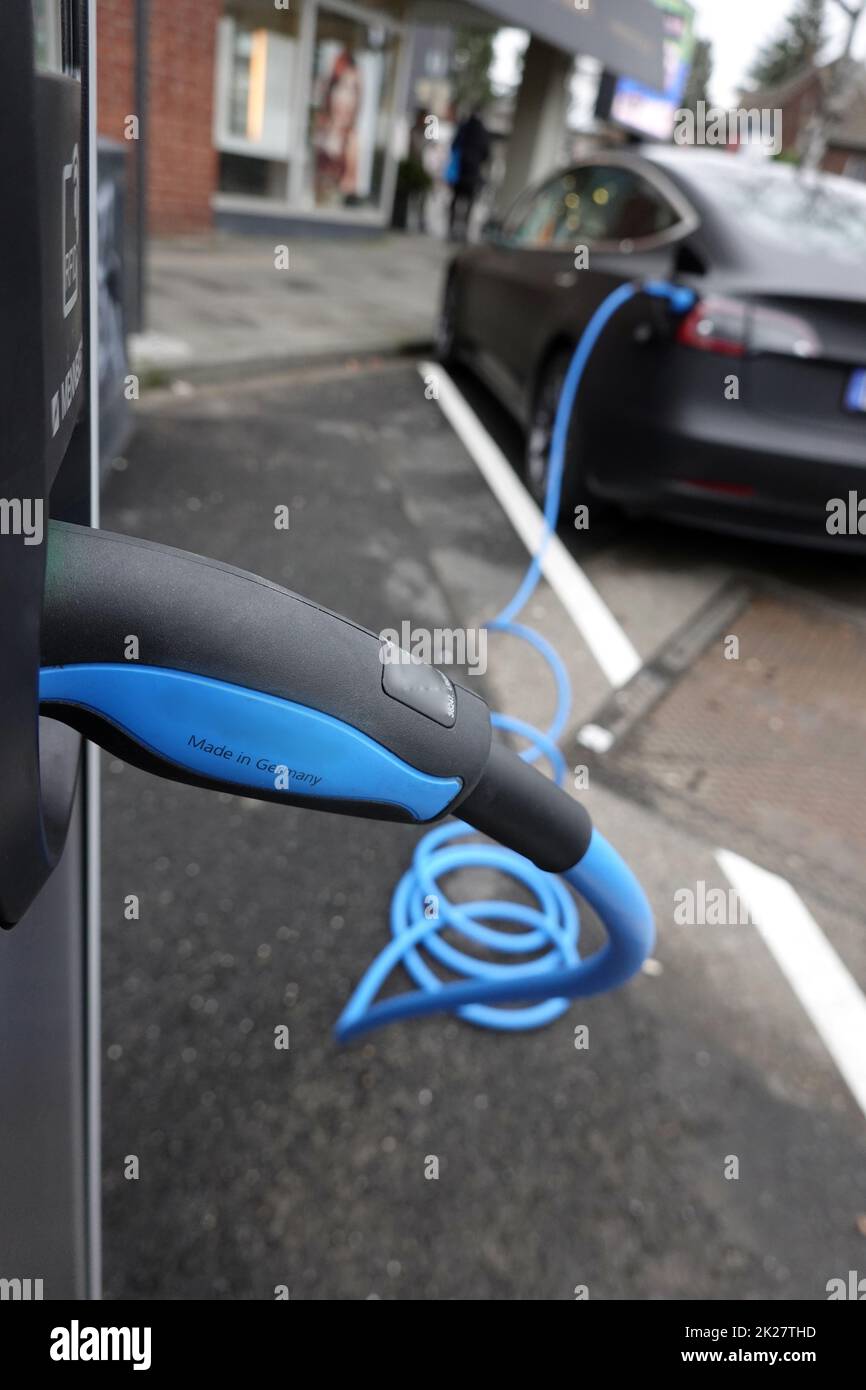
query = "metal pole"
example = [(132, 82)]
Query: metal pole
[(142, 33), (91, 981)]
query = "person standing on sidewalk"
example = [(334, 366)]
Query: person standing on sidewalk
[(469, 154)]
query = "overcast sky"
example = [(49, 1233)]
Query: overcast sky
[(736, 28)]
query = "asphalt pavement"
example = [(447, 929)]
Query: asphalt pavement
[(606, 1169)]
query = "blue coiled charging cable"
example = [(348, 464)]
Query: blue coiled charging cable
[(549, 972)]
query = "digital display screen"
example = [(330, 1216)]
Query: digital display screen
[(648, 111)]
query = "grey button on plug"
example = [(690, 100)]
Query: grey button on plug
[(421, 687)]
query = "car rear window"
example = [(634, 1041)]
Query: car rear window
[(798, 211)]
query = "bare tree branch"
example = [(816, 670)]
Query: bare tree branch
[(842, 80), (853, 11)]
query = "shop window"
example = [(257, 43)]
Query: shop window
[(351, 107), (256, 81)]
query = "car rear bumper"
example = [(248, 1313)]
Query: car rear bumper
[(755, 522), (732, 469)]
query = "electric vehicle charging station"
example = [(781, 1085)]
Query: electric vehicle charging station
[(238, 685), (49, 1160)]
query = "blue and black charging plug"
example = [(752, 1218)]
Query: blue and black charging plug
[(247, 688)]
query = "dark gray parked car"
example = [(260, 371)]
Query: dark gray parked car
[(749, 413)]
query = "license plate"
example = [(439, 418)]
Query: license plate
[(855, 396)]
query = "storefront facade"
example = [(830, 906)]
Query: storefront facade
[(308, 102), (292, 114)]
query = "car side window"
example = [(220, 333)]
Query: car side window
[(621, 207), (550, 216), (596, 203)]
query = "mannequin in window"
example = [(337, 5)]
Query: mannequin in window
[(336, 139)]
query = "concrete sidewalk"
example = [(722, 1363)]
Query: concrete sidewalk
[(219, 306)]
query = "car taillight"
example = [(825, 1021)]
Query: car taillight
[(772, 330), (715, 325), (733, 328)]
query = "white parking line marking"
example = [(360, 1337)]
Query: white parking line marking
[(590, 614), (822, 983), (595, 737)]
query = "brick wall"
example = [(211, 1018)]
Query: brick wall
[(837, 161), (182, 162), (115, 75), (797, 114)]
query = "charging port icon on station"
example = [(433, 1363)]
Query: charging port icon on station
[(71, 230)]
